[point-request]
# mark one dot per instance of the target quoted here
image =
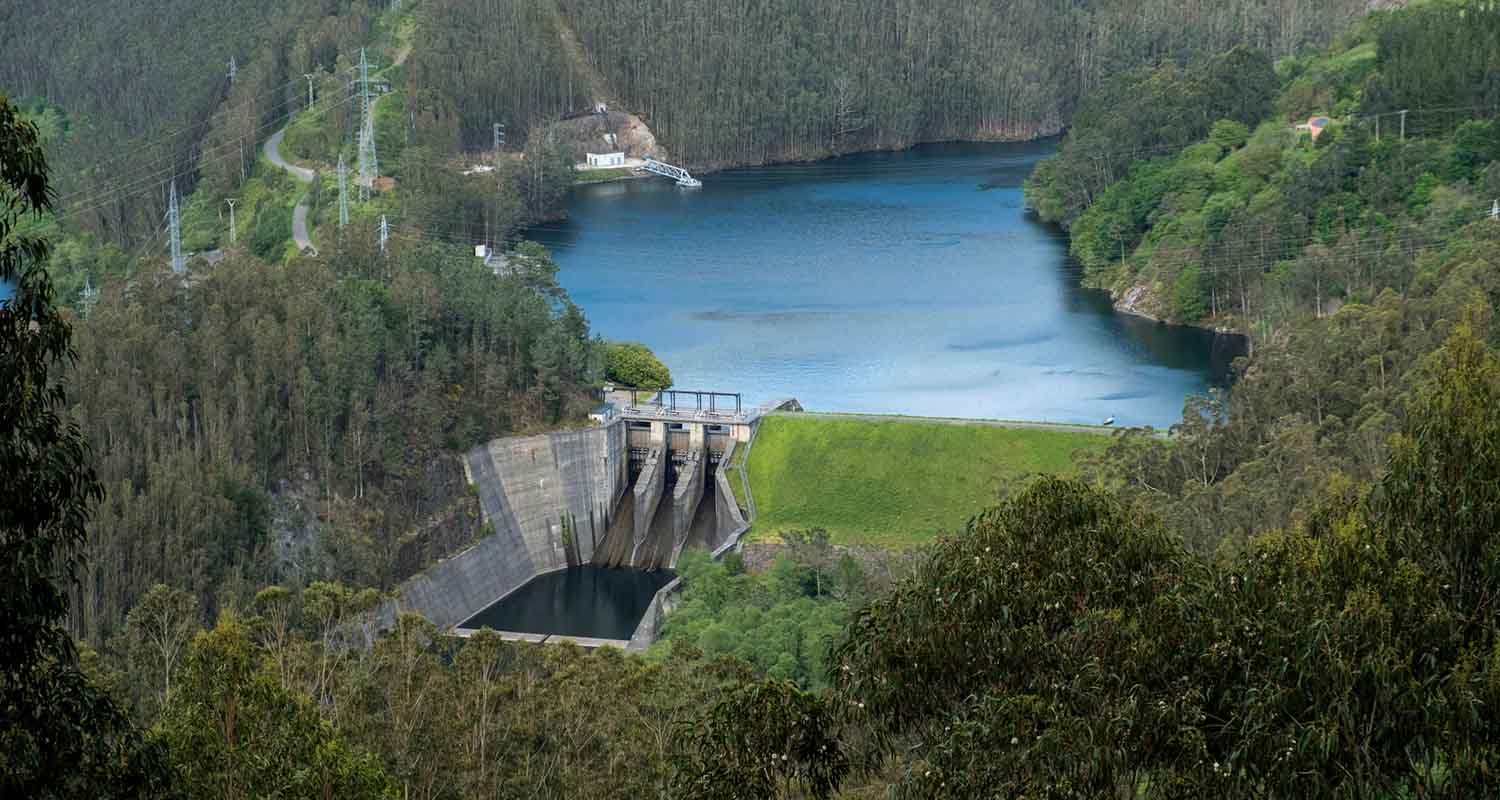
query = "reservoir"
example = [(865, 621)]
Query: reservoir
[(589, 601), (910, 282)]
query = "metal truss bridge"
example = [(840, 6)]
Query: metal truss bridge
[(675, 173)]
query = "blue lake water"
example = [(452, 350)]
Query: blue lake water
[(908, 282)]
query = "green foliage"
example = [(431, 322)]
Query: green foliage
[(762, 742), (327, 369), (451, 69), (60, 734), (273, 226), (1241, 222), (780, 622), (1436, 55), (1187, 294), (893, 483), (1373, 615), (820, 77), (1140, 113), (235, 731), (145, 86), (1229, 134), (633, 364)]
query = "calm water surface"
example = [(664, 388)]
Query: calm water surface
[(584, 601), (896, 282)]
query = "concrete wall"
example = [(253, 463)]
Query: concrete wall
[(649, 629), (686, 496), (729, 523), (527, 487), (649, 487)]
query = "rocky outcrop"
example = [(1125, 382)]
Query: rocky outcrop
[(1142, 300)]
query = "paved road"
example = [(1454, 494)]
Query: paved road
[(980, 423), (303, 175)]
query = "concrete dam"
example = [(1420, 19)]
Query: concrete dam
[(634, 491)]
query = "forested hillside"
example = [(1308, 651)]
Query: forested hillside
[(352, 378), (146, 91), (1346, 259), (511, 70), (775, 80)]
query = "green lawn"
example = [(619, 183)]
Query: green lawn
[(606, 174), (893, 483)]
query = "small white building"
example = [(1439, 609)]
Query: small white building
[(605, 160), (481, 251)]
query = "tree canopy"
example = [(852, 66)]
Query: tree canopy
[(633, 364)]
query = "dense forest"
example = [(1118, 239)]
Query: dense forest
[(353, 377), (1347, 260), (145, 92), (775, 80)]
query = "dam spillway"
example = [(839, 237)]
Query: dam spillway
[(632, 492)]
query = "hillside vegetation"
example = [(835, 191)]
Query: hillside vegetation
[(1258, 222), (1347, 260), (773, 80)]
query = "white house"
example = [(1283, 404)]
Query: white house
[(604, 160)]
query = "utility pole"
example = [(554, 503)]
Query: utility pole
[(343, 192), (174, 231), (233, 69), (385, 233), (309, 76), (230, 201), (1403, 124)]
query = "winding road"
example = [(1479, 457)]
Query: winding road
[(303, 175)]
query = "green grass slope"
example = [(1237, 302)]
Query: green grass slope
[(893, 484)]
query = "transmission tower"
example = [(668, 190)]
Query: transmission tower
[(499, 136), (309, 76), (343, 192), (174, 231), (1495, 211), (89, 296), (369, 168), (231, 202), (233, 69), (385, 233)]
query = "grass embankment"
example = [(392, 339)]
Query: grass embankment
[(893, 484)]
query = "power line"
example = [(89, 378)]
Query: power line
[(120, 192)]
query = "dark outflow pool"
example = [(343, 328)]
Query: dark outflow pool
[(596, 602)]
